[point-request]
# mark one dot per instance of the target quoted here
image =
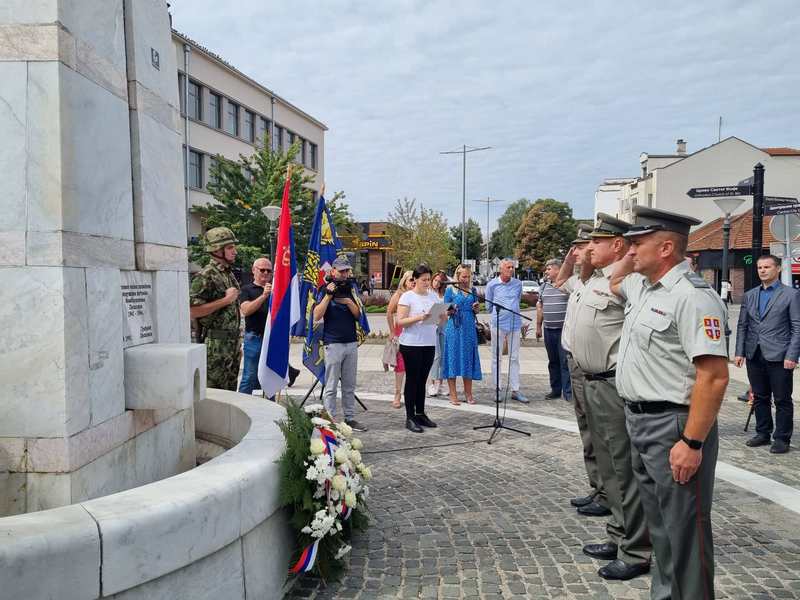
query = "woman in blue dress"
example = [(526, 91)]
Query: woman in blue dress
[(460, 357)]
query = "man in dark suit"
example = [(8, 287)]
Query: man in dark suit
[(768, 335)]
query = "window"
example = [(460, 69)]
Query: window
[(232, 119), (263, 130), (278, 137), (249, 126), (195, 169), (301, 153), (212, 164), (181, 81), (195, 110), (215, 106), (312, 156)]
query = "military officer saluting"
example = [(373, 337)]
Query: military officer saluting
[(594, 341), (214, 302), (672, 373)]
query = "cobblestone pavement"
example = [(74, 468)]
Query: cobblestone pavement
[(457, 518)]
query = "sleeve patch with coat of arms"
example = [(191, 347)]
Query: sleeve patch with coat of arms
[(712, 328)]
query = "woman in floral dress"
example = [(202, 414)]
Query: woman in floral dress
[(460, 357)]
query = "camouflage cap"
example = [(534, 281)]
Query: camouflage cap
[(219, 237)]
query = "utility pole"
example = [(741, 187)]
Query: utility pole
[(488, 202), (463, 152)]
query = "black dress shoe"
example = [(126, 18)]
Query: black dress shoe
[(411, 425), (607, 551), (757, 440), (424, 421), (779, 447), (552, 395), (583, 500), (293, 373), (619, 569), (593, 509)]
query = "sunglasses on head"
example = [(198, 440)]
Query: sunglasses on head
[(265, 270)]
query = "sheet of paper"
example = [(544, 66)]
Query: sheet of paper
[(437, 310)]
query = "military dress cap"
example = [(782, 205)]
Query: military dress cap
[(608, 226), (341, 263), (583, 234), (219, 237), (649, 220)]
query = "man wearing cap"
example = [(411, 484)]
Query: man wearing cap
[(672, 372), (595, 503), (214, 302), (337, 308), (594, 342)]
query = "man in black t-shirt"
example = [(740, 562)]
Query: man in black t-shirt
[(337, 308), (254, 301)]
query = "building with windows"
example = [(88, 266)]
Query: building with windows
[(608, 195), (227, 113)]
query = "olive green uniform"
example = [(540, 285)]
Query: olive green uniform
[(221, 329), (594, 342), (579, 396), (668, 324)]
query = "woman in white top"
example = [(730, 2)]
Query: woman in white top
[(417, 345)]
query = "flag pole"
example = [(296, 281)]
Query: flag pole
[(322, 190)]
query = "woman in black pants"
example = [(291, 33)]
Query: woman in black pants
[(417, 345)]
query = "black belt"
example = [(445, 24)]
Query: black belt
[(656, 407), (600, 376)]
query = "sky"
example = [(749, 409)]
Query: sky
[(566, 94)]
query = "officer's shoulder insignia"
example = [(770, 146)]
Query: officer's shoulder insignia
[(712, 328), (696, 280)]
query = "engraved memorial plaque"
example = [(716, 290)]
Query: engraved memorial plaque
[(137, 317)]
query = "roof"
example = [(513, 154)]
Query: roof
[(782, 151), (230, 67), (709, 236)]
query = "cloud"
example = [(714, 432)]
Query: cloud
[(565, 95)]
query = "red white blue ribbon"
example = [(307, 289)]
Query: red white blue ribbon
[(329, 439), (346, 511), (307, 558)]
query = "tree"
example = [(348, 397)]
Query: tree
[(503, 240), (546, 232), (243, 187), (419, 236), (474, 240)]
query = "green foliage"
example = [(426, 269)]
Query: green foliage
[(503, 240), (243, 187), (546, 232), (296, 494), (420, 236), (474, 240)]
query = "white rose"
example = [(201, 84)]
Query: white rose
[(355, 456), (341, 455), (356, 444), (313, 408), (345, 429), (316, 446), (350, 499), (339, 483), (320, 422), (367, 473)]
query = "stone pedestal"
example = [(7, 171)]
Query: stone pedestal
[(92, 168)]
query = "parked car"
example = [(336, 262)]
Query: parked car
[(530, 286)]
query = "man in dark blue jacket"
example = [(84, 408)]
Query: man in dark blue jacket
[(768, 337)]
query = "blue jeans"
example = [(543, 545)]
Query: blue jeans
[(557, 363), (252, 352)]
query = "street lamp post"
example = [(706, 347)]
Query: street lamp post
[(272, 213), (727, 206), (463, 152)]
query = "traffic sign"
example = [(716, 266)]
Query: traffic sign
[(780, 200), (720, 191), (778, 227), (781, 209)]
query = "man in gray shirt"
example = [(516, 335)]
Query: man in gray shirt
[(550, 312)]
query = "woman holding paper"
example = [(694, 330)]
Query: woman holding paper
[(417, 345)]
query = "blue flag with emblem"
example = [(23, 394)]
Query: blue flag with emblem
[(323, 248)]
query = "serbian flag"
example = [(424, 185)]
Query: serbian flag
[(284, 307), (323, 248)]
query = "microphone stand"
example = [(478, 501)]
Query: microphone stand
[(497, 425)]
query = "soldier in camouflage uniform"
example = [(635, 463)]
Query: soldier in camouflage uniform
[(214, 302)]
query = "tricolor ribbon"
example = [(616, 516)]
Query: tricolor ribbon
[(329, 439), (307, 558), (346, 511)]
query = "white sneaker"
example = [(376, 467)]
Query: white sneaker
[(433, 390)]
